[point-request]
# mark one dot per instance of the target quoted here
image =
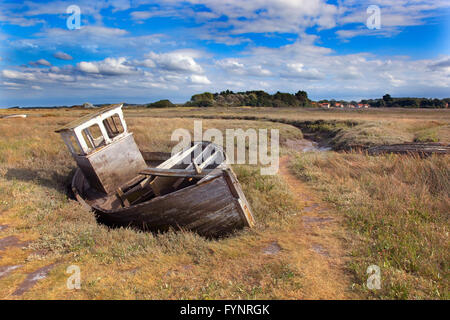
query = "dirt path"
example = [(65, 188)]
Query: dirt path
[(320, 236)]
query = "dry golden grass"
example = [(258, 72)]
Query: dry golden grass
[(397, 208), (345, 128), (35, 169)]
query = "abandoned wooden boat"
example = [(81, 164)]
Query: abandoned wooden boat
[(194, 189)]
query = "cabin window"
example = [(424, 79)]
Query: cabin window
[(89, 142), (93, 136), (113, 126)]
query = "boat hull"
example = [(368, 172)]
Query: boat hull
[(212, 208)]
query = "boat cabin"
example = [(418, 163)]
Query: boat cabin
[(103, 148)]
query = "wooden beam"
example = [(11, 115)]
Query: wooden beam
[(178, 173), (197, 168), (211, 159)]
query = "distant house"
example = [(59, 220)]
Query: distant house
[(88, 105), (339, 105), (325, 105)]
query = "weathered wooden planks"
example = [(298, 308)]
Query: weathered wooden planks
[(113, 165), (213, 207), (209, 209)]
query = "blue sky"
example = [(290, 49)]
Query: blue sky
[(142, 51)]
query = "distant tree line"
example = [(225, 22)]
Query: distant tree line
[(259, 98), (389, 102)]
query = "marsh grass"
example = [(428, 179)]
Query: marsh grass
[(345, 129), (397, 208), (35, 169)]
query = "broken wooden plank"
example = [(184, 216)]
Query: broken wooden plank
[(133, 182), (216, 155), (179, 157), (161, 184), (135, 192), (122, 197), (411, 148), (194, 163)]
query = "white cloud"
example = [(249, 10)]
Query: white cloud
[(40, 62), (88, 67), (148, 63), (142, 15), (94, 39), (262, 16), (88, 7), (199, 79), (62, 56), (363, 31), (12, 74), (177, 61), (11, 84), (14, 19), (340, 76), (394, 15), (324, 73), (297, 70), (442, 66), (232, 65), (60, 77), (259, 71), (90, 32), (109, 66), (303, 64)]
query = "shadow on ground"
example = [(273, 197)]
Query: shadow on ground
[(47, 178)]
